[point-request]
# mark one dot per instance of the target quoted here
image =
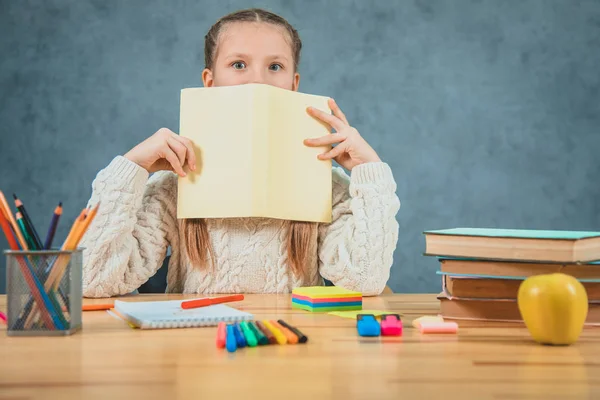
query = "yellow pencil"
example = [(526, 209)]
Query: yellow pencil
[(11, 219), (55, 276)]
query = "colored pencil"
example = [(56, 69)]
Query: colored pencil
[(28, 224), (77, 236), (26, 233), (58, 268), (12, 222), (6, 228), (53, 224), (40, 296), (52, 271)]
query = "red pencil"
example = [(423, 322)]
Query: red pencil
[(210, 301)]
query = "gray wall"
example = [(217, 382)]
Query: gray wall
[(487, 111)]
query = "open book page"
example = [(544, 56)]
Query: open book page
[(219, 123), (299, 183)]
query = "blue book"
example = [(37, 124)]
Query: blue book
[(514, 244)]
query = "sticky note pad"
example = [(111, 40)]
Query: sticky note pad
[(326, 299), (352, 314), (325, 291)]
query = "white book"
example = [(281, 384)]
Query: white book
[(169, 314)]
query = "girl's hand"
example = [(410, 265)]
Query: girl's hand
[(351, 149), (164, 151)]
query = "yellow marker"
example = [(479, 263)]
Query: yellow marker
[(279, 336)]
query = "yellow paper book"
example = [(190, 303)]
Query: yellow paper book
[(353, 313), (316, 292), (252, 159)]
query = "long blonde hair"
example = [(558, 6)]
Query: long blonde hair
[(197, 239)]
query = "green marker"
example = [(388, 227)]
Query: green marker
[(250, 337), (261, 338)]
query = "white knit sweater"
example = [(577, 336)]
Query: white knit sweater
[(136, 223)]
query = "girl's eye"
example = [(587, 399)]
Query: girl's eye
[(275, 67), (238, 65)]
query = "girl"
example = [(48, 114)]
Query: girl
[(136, 223)]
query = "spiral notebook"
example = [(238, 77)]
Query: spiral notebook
[(169, 314)]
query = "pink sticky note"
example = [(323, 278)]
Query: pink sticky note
[(438, 327)]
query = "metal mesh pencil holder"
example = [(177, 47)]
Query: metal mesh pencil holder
[(44, 292)]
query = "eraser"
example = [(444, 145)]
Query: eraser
[(367, 325), (426, 318), (391, 325), (438, 327)]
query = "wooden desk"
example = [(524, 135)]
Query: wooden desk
[(108, 359)]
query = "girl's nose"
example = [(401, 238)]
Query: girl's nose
[(256, 76)]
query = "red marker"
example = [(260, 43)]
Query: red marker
[(221, 335), (209, 301)]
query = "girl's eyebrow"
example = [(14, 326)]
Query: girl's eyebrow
[(238, 55), (278, 56), (247, 56)]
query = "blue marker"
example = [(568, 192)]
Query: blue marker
[(230, 342), (367, 325), (239, 336)]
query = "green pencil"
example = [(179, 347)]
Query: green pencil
[(25, 232)]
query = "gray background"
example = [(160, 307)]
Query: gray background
[(487, 111)]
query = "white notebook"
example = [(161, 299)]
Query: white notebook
[(169, 314)]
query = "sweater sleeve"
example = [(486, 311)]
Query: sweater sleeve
[(356, 249), (127, 241)]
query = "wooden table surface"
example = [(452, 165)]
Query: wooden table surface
[(108, 359)]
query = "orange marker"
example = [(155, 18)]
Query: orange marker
[(209, 301), (291, 338), (96, 307)]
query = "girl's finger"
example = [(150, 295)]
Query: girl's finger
[(331, 120), (333, 153), (172, 158), (325, 140), (178, 148), (337, 111), (191, 154)]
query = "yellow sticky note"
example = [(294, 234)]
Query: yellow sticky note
[(316, 292), (353, 313)]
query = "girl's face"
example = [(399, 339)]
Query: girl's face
[(251, 52)]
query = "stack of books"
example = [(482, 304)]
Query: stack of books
[(482, 269)]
